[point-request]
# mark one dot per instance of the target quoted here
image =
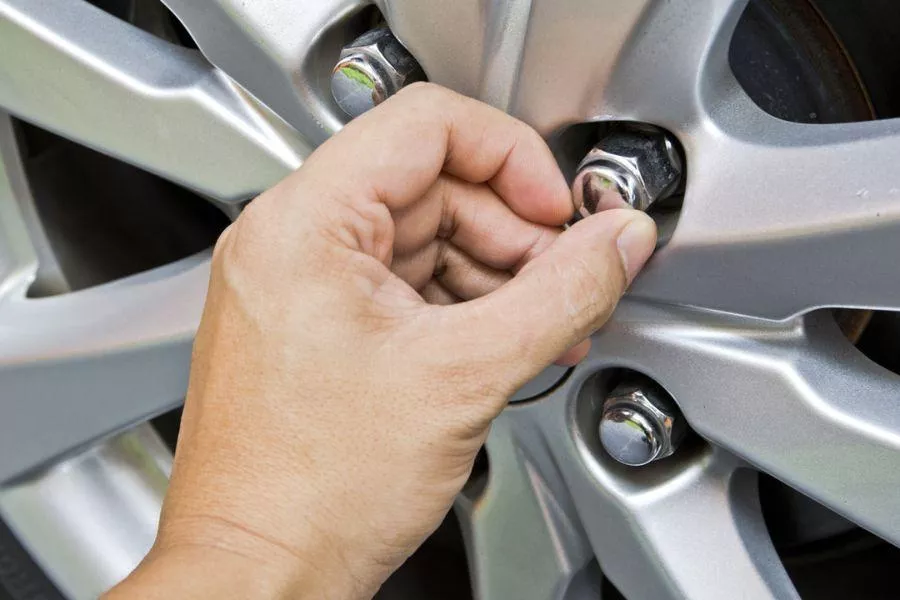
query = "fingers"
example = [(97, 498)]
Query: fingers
[(559, 298), (435, 293), (462, 276), (394, 153), (474, 219), (575, 354)]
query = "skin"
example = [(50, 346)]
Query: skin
[(367, 319)]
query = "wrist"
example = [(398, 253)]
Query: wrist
[(219, 563), (203, 572)]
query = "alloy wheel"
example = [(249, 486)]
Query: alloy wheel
[(780, 223)]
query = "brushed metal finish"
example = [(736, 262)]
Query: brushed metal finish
[(278, 50), (778, 219), (90, 519), (124, 92)]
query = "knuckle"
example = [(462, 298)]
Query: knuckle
[(424, 93), (530, 135), (425, 87), (220, 249)]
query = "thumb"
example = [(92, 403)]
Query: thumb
[(565, 294)]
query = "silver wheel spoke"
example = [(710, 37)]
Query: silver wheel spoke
[(18, 258), (521, 541), (79, 366), (73, 69), (91, 519), (797, 401), (688, 527), (778, 219), (699, 534), (557, 62), (792, 216), (276, 50), (804, 213)]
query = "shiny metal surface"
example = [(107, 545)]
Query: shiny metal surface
[(594, 181), (629, 436), (532, 547), (688, 527), (124, 92), (638, 425), (280, 51), (372, 68), (724, 316), (356, 85), (18, 254), (643, 166), (90, 519)]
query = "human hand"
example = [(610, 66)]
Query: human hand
[(367, 318)]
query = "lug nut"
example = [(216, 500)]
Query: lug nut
[(371, 69), (640, 424), (642, 166)]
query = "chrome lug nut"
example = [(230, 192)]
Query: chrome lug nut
[(371, 69), (640, 425), (642, 166)]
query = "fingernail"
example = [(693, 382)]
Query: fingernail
[(636, 243)]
